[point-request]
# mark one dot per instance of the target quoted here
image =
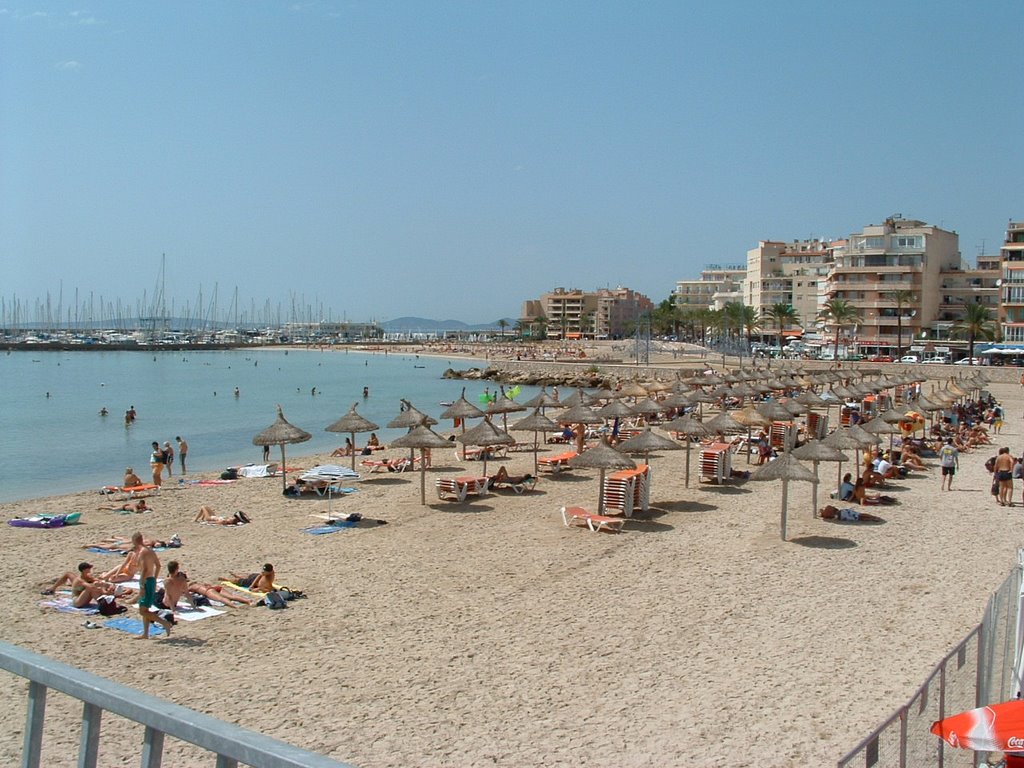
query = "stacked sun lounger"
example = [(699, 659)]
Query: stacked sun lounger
[(628, 490), (817, 425), (715, 462)]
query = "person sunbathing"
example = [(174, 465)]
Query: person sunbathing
[(219, 593), (828, 512), (131, 480), (502, 477), (129, 506), (346, 450), (124, 544), (862, 496), (86, 588), (255, 582), (207, 515)]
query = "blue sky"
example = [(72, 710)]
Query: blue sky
[(449, 159)]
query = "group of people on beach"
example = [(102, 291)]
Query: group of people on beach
[(162, 458), (156, 603)]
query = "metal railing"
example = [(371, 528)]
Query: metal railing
[(978, 671), (231, 744)]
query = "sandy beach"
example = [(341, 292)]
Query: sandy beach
[(487, 633)]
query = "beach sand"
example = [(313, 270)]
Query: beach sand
[(487, 633)]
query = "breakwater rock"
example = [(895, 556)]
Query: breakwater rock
[(540, 378)]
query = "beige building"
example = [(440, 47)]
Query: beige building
[(716, 287), (897, 255), (793, 273), (1011, 310), (571, 313)]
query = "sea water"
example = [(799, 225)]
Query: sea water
[(54, 440)]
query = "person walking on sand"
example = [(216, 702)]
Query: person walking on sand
[(949, 461), (149, 569), (182, 452), (1004, 476)]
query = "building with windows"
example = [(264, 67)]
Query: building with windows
[(894, 273), (792, 273), (1011, 310), (570, 313), (716, 287)]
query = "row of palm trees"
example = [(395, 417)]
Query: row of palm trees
[(737, 321)]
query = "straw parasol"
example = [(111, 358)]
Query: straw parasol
[(424, 438), (749, 417), (603, 457), (352, 422), (579, 397), (486, 435), (282, 433), (461, 410), (615, 409), (504, 405), (724, 424), (879, 426), (816, 452), (579, 415), (536, 422), (785, 468), (842, 439), (646, 442), (632, 389), (691, 428), (410, 417), (542, 399)]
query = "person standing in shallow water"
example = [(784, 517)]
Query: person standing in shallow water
[(182, 452)]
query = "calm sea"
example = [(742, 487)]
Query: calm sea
[(53, 440)]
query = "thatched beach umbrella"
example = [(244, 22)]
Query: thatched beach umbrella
[(785, 468), (282, 433), (504, 405), (724, 424), (603, 457), (425, 439), (579, 415), (632, 389), (352, 422), (749, 417), (646, 442), (816, 452), (543, 399), (579, 397), (409, 418), (486, 435), (536, 422), (842, 439), (690, 428), (879, 426), (461, 410)]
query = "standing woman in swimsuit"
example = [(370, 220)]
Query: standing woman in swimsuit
[(168, 458), (156, 463)]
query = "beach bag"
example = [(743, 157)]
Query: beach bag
[(275, 601), (109, 606), (995, 487), (990, 465), (229, 474)]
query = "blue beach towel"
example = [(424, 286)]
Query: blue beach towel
[(318, 530), (132, 626)]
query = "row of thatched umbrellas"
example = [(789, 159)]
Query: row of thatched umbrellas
[(577, 411)]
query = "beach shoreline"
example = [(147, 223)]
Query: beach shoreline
[(489, 633)]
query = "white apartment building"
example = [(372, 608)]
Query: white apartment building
[(793, 273), (716, 287)]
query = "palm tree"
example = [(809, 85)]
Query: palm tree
[(902, 299), (781, 315), (503, 324), (750, 321), (841, 314), (521, 327), (977, 323), (542, 327)]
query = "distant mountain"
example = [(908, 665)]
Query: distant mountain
[(424, 324)]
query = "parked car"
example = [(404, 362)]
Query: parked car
[(910, 359), (880, 359), (968, 361), (936, 361)]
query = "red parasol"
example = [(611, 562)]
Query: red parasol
[(997, 727)]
